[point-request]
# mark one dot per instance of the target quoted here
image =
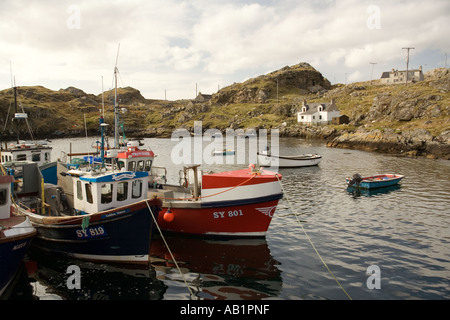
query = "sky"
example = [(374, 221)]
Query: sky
[(173, 49)]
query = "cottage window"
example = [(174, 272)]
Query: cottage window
[(136, 189), (106, 193), (122, 191)]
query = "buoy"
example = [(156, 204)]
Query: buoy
[(168, 216)]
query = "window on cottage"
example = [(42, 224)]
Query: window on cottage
[(106, 193), (136, 189), (122, 191)]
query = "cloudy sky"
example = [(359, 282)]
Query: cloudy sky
[(171, 48)]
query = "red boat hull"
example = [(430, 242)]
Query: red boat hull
[(244, 220)]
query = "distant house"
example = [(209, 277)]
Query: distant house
[(395, 76), (317, 113), (202, 97)]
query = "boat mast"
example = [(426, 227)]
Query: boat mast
[(116, 107), (15, 110)]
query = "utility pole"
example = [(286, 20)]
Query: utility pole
[(371, 75), (407, 61)]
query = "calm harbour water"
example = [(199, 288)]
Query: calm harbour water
[(404, 231)]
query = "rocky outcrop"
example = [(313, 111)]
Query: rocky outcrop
[(416, 142), (301, 78)]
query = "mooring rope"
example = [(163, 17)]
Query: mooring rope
[(310, 241), (168, 249)]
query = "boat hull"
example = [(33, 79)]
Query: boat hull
[(12, 252), (121, 235), (235, 219), (289, 161), (377, 181)]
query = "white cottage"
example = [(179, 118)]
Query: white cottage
[(317, 113)]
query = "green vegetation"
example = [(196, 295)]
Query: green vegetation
[(263, 102)]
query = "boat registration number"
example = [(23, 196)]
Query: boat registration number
[(91, 232), (227, 214)]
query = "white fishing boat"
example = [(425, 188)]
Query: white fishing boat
[(302, 160)]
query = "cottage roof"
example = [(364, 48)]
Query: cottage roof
[(314, 107)]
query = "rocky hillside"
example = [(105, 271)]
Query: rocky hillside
[(412, 119)]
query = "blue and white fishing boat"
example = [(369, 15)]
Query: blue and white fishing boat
[(375, 181), (97, 213), (28, 151), (16, 233)]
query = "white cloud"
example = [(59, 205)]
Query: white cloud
[(173, 44)]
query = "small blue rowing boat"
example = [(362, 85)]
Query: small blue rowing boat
[(373, 182)]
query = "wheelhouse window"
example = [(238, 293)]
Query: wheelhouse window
[(36, 157), (47, 156), (148, 165), (3, 196), (21, 157), (132, 166), (140, 166), (79, 191), (89, 193), (122, 191), (136, 189), (106, 193)]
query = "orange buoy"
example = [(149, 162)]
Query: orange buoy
[(168, 216)]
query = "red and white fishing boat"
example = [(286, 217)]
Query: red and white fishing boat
[(235, 203)]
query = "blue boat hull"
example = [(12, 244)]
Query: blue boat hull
[(12, 254), (122, 235), (375, 182)]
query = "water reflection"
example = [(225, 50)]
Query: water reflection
[(98, 281), (225, 268)]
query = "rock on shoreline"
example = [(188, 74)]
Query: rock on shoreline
[(417, 142)]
